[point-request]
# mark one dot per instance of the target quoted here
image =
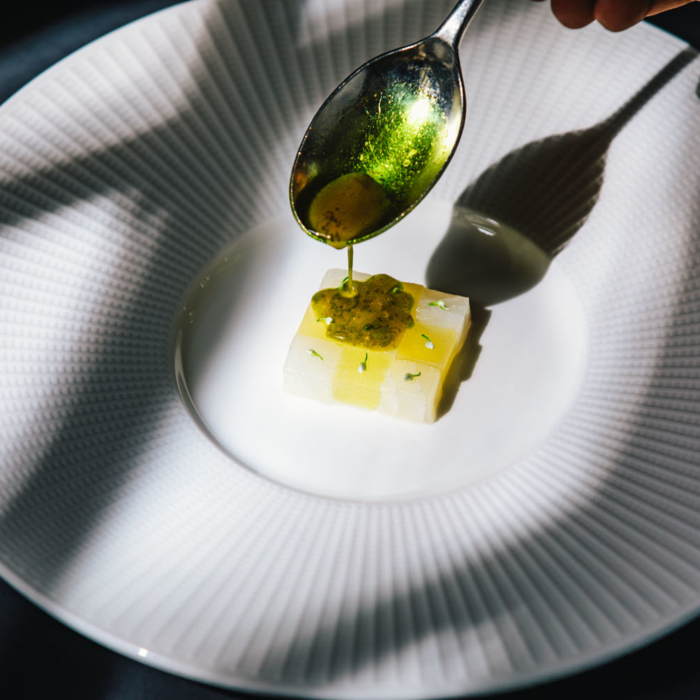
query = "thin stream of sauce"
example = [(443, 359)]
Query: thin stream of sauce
[(373, 314)]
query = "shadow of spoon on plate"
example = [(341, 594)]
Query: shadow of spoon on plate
[(508, 224), (522, 211)]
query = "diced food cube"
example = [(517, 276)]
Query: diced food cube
[(309, 368), (415, 398), (442, 310), (405, 380), (359, 376), (428, 344)]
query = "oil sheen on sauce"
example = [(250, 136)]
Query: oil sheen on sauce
[(373, 314), (347, 208)]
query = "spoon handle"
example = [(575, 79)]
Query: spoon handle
[(452, 29)]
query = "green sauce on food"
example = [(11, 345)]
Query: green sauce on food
[(373, 314)]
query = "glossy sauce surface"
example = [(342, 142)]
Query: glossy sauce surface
[(373, 314), (347, 208)]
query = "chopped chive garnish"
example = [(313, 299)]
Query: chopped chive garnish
[(396, 289), (363, 365), (326, 319), (440, 304), (428, 343), (342, 284), (368, 327), (313, 353), (408, 377)]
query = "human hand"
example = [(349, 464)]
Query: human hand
[(614, 15)]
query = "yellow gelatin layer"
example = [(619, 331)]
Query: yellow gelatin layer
[(405, 381), (429, 344), (311, 327), (359, 376)]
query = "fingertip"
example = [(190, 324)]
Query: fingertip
[(573, 14), (617, 16)]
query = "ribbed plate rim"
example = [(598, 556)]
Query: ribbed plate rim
[(55, 609)]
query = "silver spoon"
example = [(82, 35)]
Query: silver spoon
[(383, 138)]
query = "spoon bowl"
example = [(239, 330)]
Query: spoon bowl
[(382, 139)]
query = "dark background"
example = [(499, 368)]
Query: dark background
[(41, 658)]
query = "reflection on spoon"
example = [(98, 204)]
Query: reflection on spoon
[(382, 139)]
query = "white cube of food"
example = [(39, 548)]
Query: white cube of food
[(443, 310), (412, 391), (309, 367)]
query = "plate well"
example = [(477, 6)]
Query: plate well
[(524, 360)]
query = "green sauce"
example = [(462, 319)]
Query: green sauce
[(373, 314), (348, 208)]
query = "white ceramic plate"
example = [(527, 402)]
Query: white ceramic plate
[(549, 521)]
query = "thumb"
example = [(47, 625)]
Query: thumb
[(663, 5)]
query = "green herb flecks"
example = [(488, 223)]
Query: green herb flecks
[(363, 365)]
